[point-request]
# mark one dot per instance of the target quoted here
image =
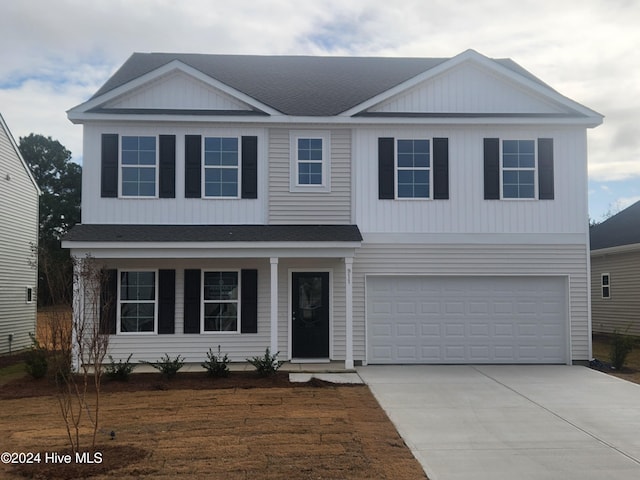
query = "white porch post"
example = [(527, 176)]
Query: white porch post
[(274, 305), (348, 270)]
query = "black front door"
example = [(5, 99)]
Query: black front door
[(310, 314)]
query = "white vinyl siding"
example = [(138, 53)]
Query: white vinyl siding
[(505, 259), (303, 206), (466, 211), (169, 211), (18, 234)]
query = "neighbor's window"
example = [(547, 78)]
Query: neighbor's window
[(220, 298), (137, 301), (413, 168), (518, 169), (29, 295), (606, 285), (221, 167), (138, 163)]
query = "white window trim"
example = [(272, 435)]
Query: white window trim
[(119, 302), (28, 295), (535, 170), (203, 168), (121, 166), (325, 136), (602, 285), (238, 301), (396, 168)]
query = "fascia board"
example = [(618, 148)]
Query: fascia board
[(76, 113), (445, 119), (594, 117), (208, 245)]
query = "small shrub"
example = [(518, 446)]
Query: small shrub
[(267, 365), (217, 365), (621, 346), (119, 371), (36, 363), (167, 367)]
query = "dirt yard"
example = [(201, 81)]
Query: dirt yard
[(631, 370), (195, 427)]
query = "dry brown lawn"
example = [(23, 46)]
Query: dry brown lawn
[(315, 431)]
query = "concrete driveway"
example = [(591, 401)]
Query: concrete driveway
[(513, 422)]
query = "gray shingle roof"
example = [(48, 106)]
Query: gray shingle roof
[(296, 85), (213, 233), (621, 229)]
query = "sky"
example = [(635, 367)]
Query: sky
[(55, 54)]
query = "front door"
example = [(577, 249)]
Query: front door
[(310, 314)]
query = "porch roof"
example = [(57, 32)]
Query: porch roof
[(101, 233)]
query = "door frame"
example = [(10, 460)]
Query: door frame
[(290, 308)]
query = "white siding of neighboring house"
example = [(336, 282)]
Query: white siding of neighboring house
[(168, 211), (286, 207), (18, 233), (466, 211), (477, 259)]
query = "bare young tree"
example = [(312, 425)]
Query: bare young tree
[(79, 351)]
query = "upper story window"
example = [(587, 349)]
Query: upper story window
[(221, 167), (413, 169), (518, 169), (137, 301), (310, 162), (221, 301), (139, 166)]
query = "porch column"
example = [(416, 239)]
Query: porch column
[(274, 305), (348, 270)]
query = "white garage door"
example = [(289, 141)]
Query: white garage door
[(466, 320)]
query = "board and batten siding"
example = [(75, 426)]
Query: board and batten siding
[(475, 260), (18, 234), (620, 312), (466, 211), (168, 211), (286, 207)]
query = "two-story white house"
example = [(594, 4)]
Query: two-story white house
[(365, 210)]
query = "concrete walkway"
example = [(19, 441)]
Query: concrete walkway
[(513, 422)]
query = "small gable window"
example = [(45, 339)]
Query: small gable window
[(413, 169), (138, 162), (606, 285), (221, 167), (518, 169)]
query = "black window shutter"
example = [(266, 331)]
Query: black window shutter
[(249, 167), (108, 301), (109, 169), (491, 169), (192, 165), (166, 301), (192, 301), (167, 166), (249, 301), (545, 169), (386, 174), (440, 168)]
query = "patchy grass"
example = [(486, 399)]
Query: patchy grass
[(631, 370), (12, 372)]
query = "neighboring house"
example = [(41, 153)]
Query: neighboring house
[(374, 210), (18, 239), (615, 273)]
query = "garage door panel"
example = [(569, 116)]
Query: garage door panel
[(467, 319)]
